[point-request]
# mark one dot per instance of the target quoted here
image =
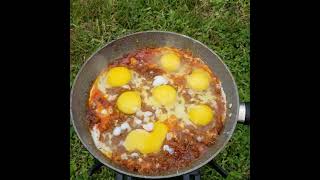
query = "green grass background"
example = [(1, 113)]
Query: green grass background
[(223, 25)]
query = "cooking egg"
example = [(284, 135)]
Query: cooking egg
[(129, 102), (118, 76), (164, 94), (159, 80), (201, 114), (170, 62), (103, 147), (198, 80), (198, 70), (146, 142)]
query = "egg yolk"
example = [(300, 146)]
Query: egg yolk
[(129, 102), (164, 94), (201, 115), (118, 76), (198, 80), (201, 71), (146, 142), (170, 62)]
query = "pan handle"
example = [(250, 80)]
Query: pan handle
[(244, 113)]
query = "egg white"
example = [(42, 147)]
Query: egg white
[(104, 147), (101, 83)]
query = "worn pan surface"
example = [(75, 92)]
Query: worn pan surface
[(115, 49)]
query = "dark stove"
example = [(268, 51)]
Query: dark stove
[(195, 175)]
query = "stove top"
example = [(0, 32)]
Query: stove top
[(195, 175)]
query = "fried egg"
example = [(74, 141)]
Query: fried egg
[(129, 102), (118, 76), (198, 80), (170, 62), (200, 114), (115, 77), (144, 141), (164, 94)]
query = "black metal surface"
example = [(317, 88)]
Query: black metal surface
[(194, 175), (95, 167), (218, 168), (115, 49)]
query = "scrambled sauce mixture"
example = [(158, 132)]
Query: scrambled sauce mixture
[(156, 109)]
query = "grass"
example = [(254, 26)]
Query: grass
[(223, 25)]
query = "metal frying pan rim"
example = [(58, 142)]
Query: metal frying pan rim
[(178, 173)]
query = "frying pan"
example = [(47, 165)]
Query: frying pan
[(117, 48)]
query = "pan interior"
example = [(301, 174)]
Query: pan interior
[(127, 44)]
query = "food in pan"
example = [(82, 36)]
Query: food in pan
[(156, 109)]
